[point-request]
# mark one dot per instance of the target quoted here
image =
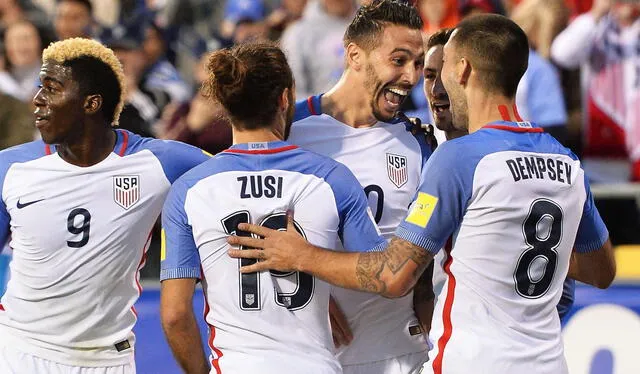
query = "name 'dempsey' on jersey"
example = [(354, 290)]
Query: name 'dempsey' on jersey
[(257, 186), (532, 167)]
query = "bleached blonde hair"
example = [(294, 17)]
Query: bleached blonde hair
[(73, 48)]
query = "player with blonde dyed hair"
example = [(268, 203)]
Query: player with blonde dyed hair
[(80, 205)]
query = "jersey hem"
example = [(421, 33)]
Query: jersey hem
[(70, 356)]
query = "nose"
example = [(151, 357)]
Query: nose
[(437, 90), (38, 100), (411, 74)]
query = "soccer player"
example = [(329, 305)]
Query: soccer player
[(79, 206), (270, 322), (512, 205), (357, 123)]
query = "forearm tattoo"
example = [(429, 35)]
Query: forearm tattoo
[(371, 265)]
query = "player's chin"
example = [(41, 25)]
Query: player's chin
[(386, 110)]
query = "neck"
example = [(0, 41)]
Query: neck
[(348, 102), (264, 134), (485, 108), (92, 146), (453, 134)]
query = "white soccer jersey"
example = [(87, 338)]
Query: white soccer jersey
[(267, 322), (79, 237), (511, 203), (387, 160)]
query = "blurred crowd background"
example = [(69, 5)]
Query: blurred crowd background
[(582, 85)]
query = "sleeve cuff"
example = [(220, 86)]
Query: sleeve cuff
[(428, 244), (593, 246), (380, 247), (178, 273)]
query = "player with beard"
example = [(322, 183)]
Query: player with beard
[(271, 323), (511, 206), (359, 119)]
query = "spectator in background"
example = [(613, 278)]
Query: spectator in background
[(468, 8), (74, 19), (17, 122), (539, 97), (284, 14), (605, 43), (201, 122), (438, 14), (243, 19), (12, 11), (314, 45), (23, 48), (160, 74)]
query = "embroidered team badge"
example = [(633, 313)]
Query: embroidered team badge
[(126, 190), (397, 169)]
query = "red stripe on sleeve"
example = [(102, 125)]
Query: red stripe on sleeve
[(47, 149), (310, 105), (446, 311)]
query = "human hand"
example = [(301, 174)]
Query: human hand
[(280, 250), (340, 329), (600, 8)]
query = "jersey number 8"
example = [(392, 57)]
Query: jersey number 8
[(542, 231), (250, 283)]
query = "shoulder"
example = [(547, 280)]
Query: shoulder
[(175, 157), (22, 153)]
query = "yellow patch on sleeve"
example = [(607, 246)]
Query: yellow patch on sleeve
[(163, 245), (206, 153), (422, 209)]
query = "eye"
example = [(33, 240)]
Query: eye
[(398, 61), (429, 76)]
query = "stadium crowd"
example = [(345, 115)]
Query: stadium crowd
[(584, 67)]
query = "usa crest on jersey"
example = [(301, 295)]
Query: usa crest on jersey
[(126, 190), (397, 169)]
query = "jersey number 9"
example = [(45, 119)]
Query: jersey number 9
[(81, 228), (250, 283)]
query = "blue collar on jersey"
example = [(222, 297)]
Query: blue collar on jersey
[(513, 126), (261, 147)]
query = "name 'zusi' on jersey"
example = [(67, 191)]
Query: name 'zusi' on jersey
[(79, 237), (267, 322)]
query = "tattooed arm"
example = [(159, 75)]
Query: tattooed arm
[(423, 298), (392, 272)]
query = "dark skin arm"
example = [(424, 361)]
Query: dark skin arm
[(597, 268), (423, 299), (391, 273), (180, 326)]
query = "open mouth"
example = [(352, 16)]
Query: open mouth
[(440, 107), (395, 96), (41, 120)]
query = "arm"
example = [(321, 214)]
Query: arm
[(423, 299), (597, 268), (180, 327), (573, 46), (391, 273)]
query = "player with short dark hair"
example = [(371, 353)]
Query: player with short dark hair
[(359, 118), (271, 322), (512, 208), (79, 206)]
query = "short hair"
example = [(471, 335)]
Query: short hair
[(96, 69), (86, 3), (370, 20), (440, 37), (496, 48), (248, 80)]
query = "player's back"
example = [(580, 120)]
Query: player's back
[(266, 322), (524, 196)]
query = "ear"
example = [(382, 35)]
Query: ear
[(92, 104), (283, 101), (355, 56), (463, 71)]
